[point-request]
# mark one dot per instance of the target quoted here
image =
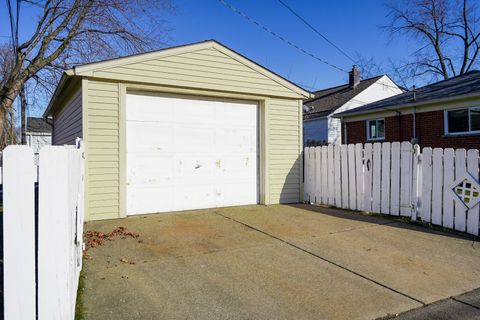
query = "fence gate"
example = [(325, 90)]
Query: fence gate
[(42, 243), (437, 186)]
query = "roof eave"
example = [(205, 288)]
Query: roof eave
[(88, 69), (347, 114), (66, 76)]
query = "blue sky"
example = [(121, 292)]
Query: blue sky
[(352, 25)]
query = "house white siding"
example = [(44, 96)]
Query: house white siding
[(329, 128), (334, 130), (383, 88)]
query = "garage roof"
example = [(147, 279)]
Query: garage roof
[(87, 70)]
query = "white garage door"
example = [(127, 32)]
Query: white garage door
[(190, 153)]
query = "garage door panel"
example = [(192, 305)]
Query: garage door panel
[(194, 196), (194, 112), (190, 139), (236, 140), (149, 109), (185, 153), (190, 168), (140, 199), (242, 111), (235, 194), (150, 169), (238, 168), (149, 137)]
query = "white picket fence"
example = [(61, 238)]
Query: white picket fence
[(51, 292), (438, 186)]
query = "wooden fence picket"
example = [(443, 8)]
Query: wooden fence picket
[(359, 175), (448, 178), (337, 176), (307, 174), (318, 176), (331, 175), (473, 213), (351, 178), (416, 180), (437, 186), (426, 204), (385, 196), (376, 177), (406, 149), (395, 180), (312, 176), (460, 169), (344, 176), (367, 177), (325, 175)]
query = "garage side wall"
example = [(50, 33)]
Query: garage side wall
[(102, 143), (284, 158), (67, 122)]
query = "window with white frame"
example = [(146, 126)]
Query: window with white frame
[(376, 129), (465, 120)]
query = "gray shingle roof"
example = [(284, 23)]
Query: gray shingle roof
[(328, 100), (38, 125), (465, 84)]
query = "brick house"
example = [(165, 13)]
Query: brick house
[(445, 114)]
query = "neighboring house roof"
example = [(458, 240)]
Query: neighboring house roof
[(87, 70), (38, 125), (328, 100), (467, 84)]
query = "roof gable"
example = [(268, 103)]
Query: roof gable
[(328, 100), (206, 64), (38, 125)]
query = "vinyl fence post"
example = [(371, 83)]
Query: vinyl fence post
[(19, 233)]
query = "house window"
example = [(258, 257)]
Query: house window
[(463, 120), (376, 129)]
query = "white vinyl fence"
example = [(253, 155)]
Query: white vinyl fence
[(42, 241), (439, 186)]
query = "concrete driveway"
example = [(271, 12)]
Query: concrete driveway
[(275, 262)]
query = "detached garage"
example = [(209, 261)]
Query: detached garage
[(189, 127)]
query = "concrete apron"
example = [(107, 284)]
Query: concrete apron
[(276, 262)]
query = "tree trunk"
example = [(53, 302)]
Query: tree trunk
[(12, 138), (7, 97)]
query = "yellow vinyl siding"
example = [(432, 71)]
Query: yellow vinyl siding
[(206, 69), (67, 122), (102, 127), (283, 148)]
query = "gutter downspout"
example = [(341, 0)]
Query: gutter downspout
[(414, 139)]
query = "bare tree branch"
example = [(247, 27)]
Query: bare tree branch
[(445, 29), (70, 32)]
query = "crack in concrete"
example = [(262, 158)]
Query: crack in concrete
[(360, 228), (323, 258)]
